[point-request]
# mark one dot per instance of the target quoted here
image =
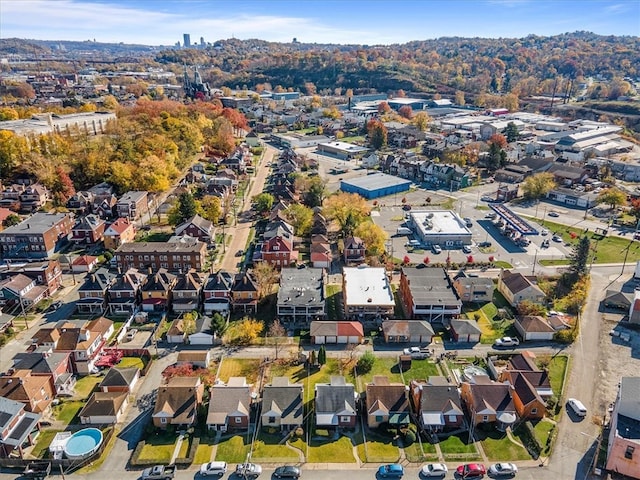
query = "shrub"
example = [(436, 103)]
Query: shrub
[(365, 362), (409, 438), (566, 336)]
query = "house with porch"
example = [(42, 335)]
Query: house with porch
[(156, 292), (301, 296), (126, 292), (335, 404), (230, 405), (282, 404), (186, 293), (427, 293), (217, 292), (88, 229), (93, 293), (36, 392), (386, 402), (487, 401), (21, 291), (244, 293), (437, 405), (197, 227), (354, 251), (177, 402), (56, 366)]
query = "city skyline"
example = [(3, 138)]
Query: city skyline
[(370, 22)]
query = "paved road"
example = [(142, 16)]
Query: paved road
[(240, 233)]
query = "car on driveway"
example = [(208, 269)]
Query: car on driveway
[(503, 470), (434, 470), (54, 306), (471, 470), (393, 470), (410, 350), (484, 244), (553, 214), (507, 342), (287, 471)]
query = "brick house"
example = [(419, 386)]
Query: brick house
[(125, 293), (244, 293), (278, 251), (39, 236), (178, 401), (386, 402), (282, 404), (437, 405), (217, 292), (92, 293), (178, 254), (187, 292), (197, 227), (35, 391), (156, 292), (118, 233), (88, 229), (230, 405), (335, 404), (354, 251), (132, 205)]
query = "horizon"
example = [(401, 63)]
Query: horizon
[(163, 23)]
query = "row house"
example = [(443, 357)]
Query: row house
[(55, 366), (244, 293), (121, 231), (319, 225), (84, 341), (354, 251), (36, 392), (156, 292), (46, 273), (93, 293), (320, 251), (88, 230), (132, 205), (217, 292), (277, 246), (24, 198), (187, 292), (178, 254), (428, 293), (21, 291), (301, 296), (125, 293), (197, 227), (39, 236), (19, 428), (440, 175)]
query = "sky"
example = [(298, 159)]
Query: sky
[(368, 22)]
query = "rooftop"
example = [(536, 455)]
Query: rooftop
[(376, 181), (366, 285), (438, 222), (301, 286)]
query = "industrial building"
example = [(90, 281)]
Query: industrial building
[(342, 150), (439, 227), (375, 185)]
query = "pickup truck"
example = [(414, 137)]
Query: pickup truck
[(159, 472)]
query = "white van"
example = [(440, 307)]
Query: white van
[(403, 231), (577, 407)]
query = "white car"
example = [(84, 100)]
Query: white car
[(503, 469), (436, 249), (248, 470), (466, 249), (434, 470), (507, 342), (544, 232), (410, 350), (213, 468)]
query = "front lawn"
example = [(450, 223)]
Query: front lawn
[(497, 446), (457, 445), (233, 449), (378, 449), (240, 367), (86, 385), (203, 452), (267, 446), (416, 454), (325, 449), (158, 447), (421, 370), (67, 411)]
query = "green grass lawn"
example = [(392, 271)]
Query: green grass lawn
[(325, 449), (354, 139), (416, 454), (421, 370), (378, 449), (203, 452), (86, 385), (457, 445), (382, 366), (158, 447), (502, 264), (309, 378), (556, 366), (497, 446), (334, 295), (184, 449), (41, 448), (267, 447), (128, 362), (542, 430), (485, 316), (239, 367), (233, 449), (608, 249), (67, 411)]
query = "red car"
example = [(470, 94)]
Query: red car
[(471, 470)]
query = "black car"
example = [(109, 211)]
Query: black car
[(239, 253), (287, 471), (54, 306), (484, 244)]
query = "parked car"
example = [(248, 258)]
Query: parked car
[(247, 470), (545, 243), (557, 238), (577, 406), (287, 471), (468, 222), (213, 468), (406, 207), (544, 232), (54, 306), (413, 243), (491, 215), (466, 249), (410, 350), (553, 214), (484, 244), (434, 470), (471, 470), (436, 249), (486, 198), (507, 342), (392, 470), (503, 470), (239, 253), (159, 472), (131, 333)]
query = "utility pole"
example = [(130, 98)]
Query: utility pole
[(24, 314), (535, 259)]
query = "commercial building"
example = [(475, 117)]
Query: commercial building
[(367, 293), (375, 185), (439, 227), (342, 150)]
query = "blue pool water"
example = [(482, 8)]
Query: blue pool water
[(83, 443)]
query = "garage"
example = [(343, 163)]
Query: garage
[(335, 332)]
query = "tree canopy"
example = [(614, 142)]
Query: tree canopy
[(348, 209), (538, 185)]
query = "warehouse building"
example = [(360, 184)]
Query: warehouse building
[(342, 150), (375, 185), (439, 227)]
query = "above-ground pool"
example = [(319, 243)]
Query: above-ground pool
[(83, 443)]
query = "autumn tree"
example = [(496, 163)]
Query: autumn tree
[(348, 209), (383, 108), (373, 236), (406, 112), (498, 139), (186, 207), (276, 333), (189, 322), (248, 330), (635, 208), (62, 187), (421, 120), (211, 208), (538, 185), (377, 134), (459, 98), (300, 217), (613, 196), (527, 307), (266, 277), (263, 202)]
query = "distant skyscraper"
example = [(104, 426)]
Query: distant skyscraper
[(202, 41), (187, 40)]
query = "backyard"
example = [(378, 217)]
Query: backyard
[(239, 367), (334, 296), (67, 411), (488, 319), (86, 385)]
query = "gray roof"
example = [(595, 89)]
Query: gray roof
[(431, 286), (376, 181), (301, 287), (284, 400), (465, 327), (39, 363), (8, 410), (440, 398), (38, 223), (228, 399), (406, 328), (628, 425), (161, 247), (119, 377), (335, 397), (99, 281), (132, 196)]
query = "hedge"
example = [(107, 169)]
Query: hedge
[(186, 462)]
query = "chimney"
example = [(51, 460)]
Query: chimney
[(150, 270)]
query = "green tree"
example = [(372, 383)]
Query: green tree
[(538, 185), (11, 220), (579, 257), (497, 157), (301, 217), (377, 134), (185, 208), (511, 132), (314, 192), (263, 202), (614, 197), (218, 324), (366, 362), (322, 355)]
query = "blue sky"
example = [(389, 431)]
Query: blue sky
[(329, 21)]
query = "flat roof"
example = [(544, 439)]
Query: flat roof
[(438, 222), (406, 100), (376, 181), (516, 221), (366, 285), (343, 146)]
